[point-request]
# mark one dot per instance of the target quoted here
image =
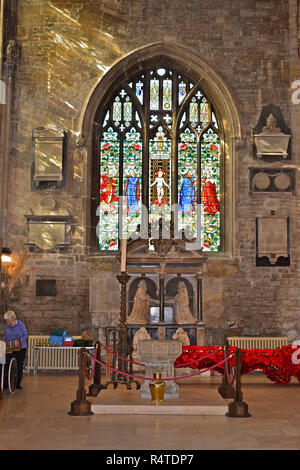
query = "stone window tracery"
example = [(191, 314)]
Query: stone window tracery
[(160, 145)]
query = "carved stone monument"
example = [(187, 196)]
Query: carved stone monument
[(166, 286), (140, 335), (182, 336), (272, 141), (160, 355), (183, 313), (140, 311)]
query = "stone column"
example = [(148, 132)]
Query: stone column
[(1, 293), (10, 51), (161, 298), (199, 298), (160, 355)]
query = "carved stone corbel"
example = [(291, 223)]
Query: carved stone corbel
[(82, 141), (240, 141)]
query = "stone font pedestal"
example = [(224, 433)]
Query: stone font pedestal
[(159, 355)]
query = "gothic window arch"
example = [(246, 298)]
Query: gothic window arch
[(160, 143)]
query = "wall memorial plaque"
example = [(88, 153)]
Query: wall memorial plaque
[(273, 240), (48, 166)]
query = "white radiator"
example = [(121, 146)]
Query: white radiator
[(250, 342), (49, 359)]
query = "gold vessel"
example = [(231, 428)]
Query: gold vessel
[(157, 388)]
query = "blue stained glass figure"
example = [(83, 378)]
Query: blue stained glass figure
[(132, 193), (187, 198)]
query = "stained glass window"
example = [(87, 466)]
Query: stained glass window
[(160, 150), (109, 191)]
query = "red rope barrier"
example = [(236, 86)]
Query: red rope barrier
[(164, 379), (91, 375), (123, 358), (230, 381)]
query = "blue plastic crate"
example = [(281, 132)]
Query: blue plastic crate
[(56, 340)]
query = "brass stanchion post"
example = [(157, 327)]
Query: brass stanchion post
[(124, 347), (237, 408), (81, 406), (226, 390), (96, 386)]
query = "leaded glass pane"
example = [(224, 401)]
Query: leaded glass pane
[(154, 94), (161, 71), (117, 110), (194, 112), (109, 191), (132, 181), (140, 91), (127, 111), (181, 92), (183, 119), (187, 183), (167, 94), (160, 146), (160, 176), (204, 112), (106, 119), (210, 191), (214, 120), (137, 118)]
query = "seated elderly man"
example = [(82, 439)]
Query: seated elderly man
[(15, 329)]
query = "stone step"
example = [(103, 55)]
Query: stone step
[(165, 409)]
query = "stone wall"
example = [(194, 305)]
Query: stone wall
[(66, 47)]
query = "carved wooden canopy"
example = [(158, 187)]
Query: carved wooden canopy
[(164, 255)]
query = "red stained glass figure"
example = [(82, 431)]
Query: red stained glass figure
[(209, 197), (107, 189)]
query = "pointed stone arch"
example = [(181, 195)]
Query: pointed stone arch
[(203, 74)]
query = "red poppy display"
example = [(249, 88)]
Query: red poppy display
[(279, 365)]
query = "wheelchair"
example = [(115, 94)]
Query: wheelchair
[(8, 365)]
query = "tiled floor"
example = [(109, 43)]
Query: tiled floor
[(37, 418)]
